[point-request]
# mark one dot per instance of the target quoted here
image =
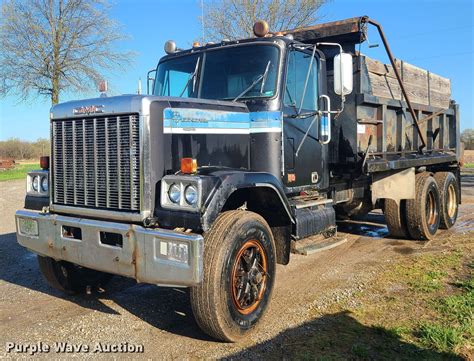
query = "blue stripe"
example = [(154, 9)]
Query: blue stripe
[(213, 119)]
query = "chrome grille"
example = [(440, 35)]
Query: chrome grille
[(96, 162)]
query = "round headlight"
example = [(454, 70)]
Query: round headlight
[(35, 184), (191, 195), (174, 193), (44, 184)]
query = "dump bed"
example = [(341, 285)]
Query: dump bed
[(378, 128), (377, 125)]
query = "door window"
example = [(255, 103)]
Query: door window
[(298, 64)]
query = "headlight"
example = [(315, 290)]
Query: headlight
[(174, 193), (44, 184), (36, 183), (181, 192), (191, 194)]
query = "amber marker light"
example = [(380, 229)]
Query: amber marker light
[(189, 165), (196, 44), (260, 28)]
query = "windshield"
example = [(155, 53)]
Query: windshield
[(225, 74), (174, 77)]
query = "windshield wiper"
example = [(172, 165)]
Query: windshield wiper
[(261, 78), (192, 77)]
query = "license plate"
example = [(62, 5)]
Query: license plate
[(28, 227)]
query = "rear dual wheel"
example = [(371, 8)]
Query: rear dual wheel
[(417, 218), (239, 274), (449, 198), (423, 212), (395, 217)]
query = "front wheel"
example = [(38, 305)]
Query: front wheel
[(239, 274), (71, 278)]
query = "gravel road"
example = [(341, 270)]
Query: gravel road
[(160, 318)]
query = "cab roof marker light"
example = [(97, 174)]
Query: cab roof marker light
[(170, 47), (261, 28)]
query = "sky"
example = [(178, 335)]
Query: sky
[(434, 35)]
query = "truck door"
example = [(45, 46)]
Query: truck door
[(308, 167)]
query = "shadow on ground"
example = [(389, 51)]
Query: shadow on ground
[(339, 337), (165, 308), (371, 225)]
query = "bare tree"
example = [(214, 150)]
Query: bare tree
[(234, 19), (467, 137), (50, 46)]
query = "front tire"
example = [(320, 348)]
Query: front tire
[(70, 278), (239, 274)]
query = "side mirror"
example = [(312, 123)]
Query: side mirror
[(343, 74)]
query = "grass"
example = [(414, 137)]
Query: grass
[(18, 172), (468, 165), (420, 307)]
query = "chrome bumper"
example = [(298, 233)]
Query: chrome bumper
[(143, 255)]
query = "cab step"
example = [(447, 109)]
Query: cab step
[(309, 202), (316, 244)]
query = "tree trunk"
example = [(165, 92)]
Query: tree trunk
[(55, 94)]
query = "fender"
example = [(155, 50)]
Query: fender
[(229, 181)]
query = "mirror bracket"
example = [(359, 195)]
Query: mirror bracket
[(341, 52), (150, 79)]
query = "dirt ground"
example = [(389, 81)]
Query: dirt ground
[(160, 318)]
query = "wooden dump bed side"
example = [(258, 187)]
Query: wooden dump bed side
[(423, 86)]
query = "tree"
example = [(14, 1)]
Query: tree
[(51, 46), (467, 137), (234, 19)]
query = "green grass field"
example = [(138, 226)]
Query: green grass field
[(19, 172), (469, 165), (419, 308)]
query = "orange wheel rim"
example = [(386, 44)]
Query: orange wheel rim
[(249, 277), (431, 212)]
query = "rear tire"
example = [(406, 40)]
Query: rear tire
[(239, 274), (70, 278), (395, 217), (449, 198), (423, 212)]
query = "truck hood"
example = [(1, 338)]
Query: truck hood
[(129, 103)]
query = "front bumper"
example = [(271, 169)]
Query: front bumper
[(144, 254)]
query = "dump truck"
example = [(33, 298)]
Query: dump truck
[(242, 153)]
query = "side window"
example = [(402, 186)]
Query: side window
[(298, 64)]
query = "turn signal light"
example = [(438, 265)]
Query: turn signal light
[(189, 165), (44, 162)]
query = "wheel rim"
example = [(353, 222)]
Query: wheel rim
[(451, 201), (249, 277), (431, 211)]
